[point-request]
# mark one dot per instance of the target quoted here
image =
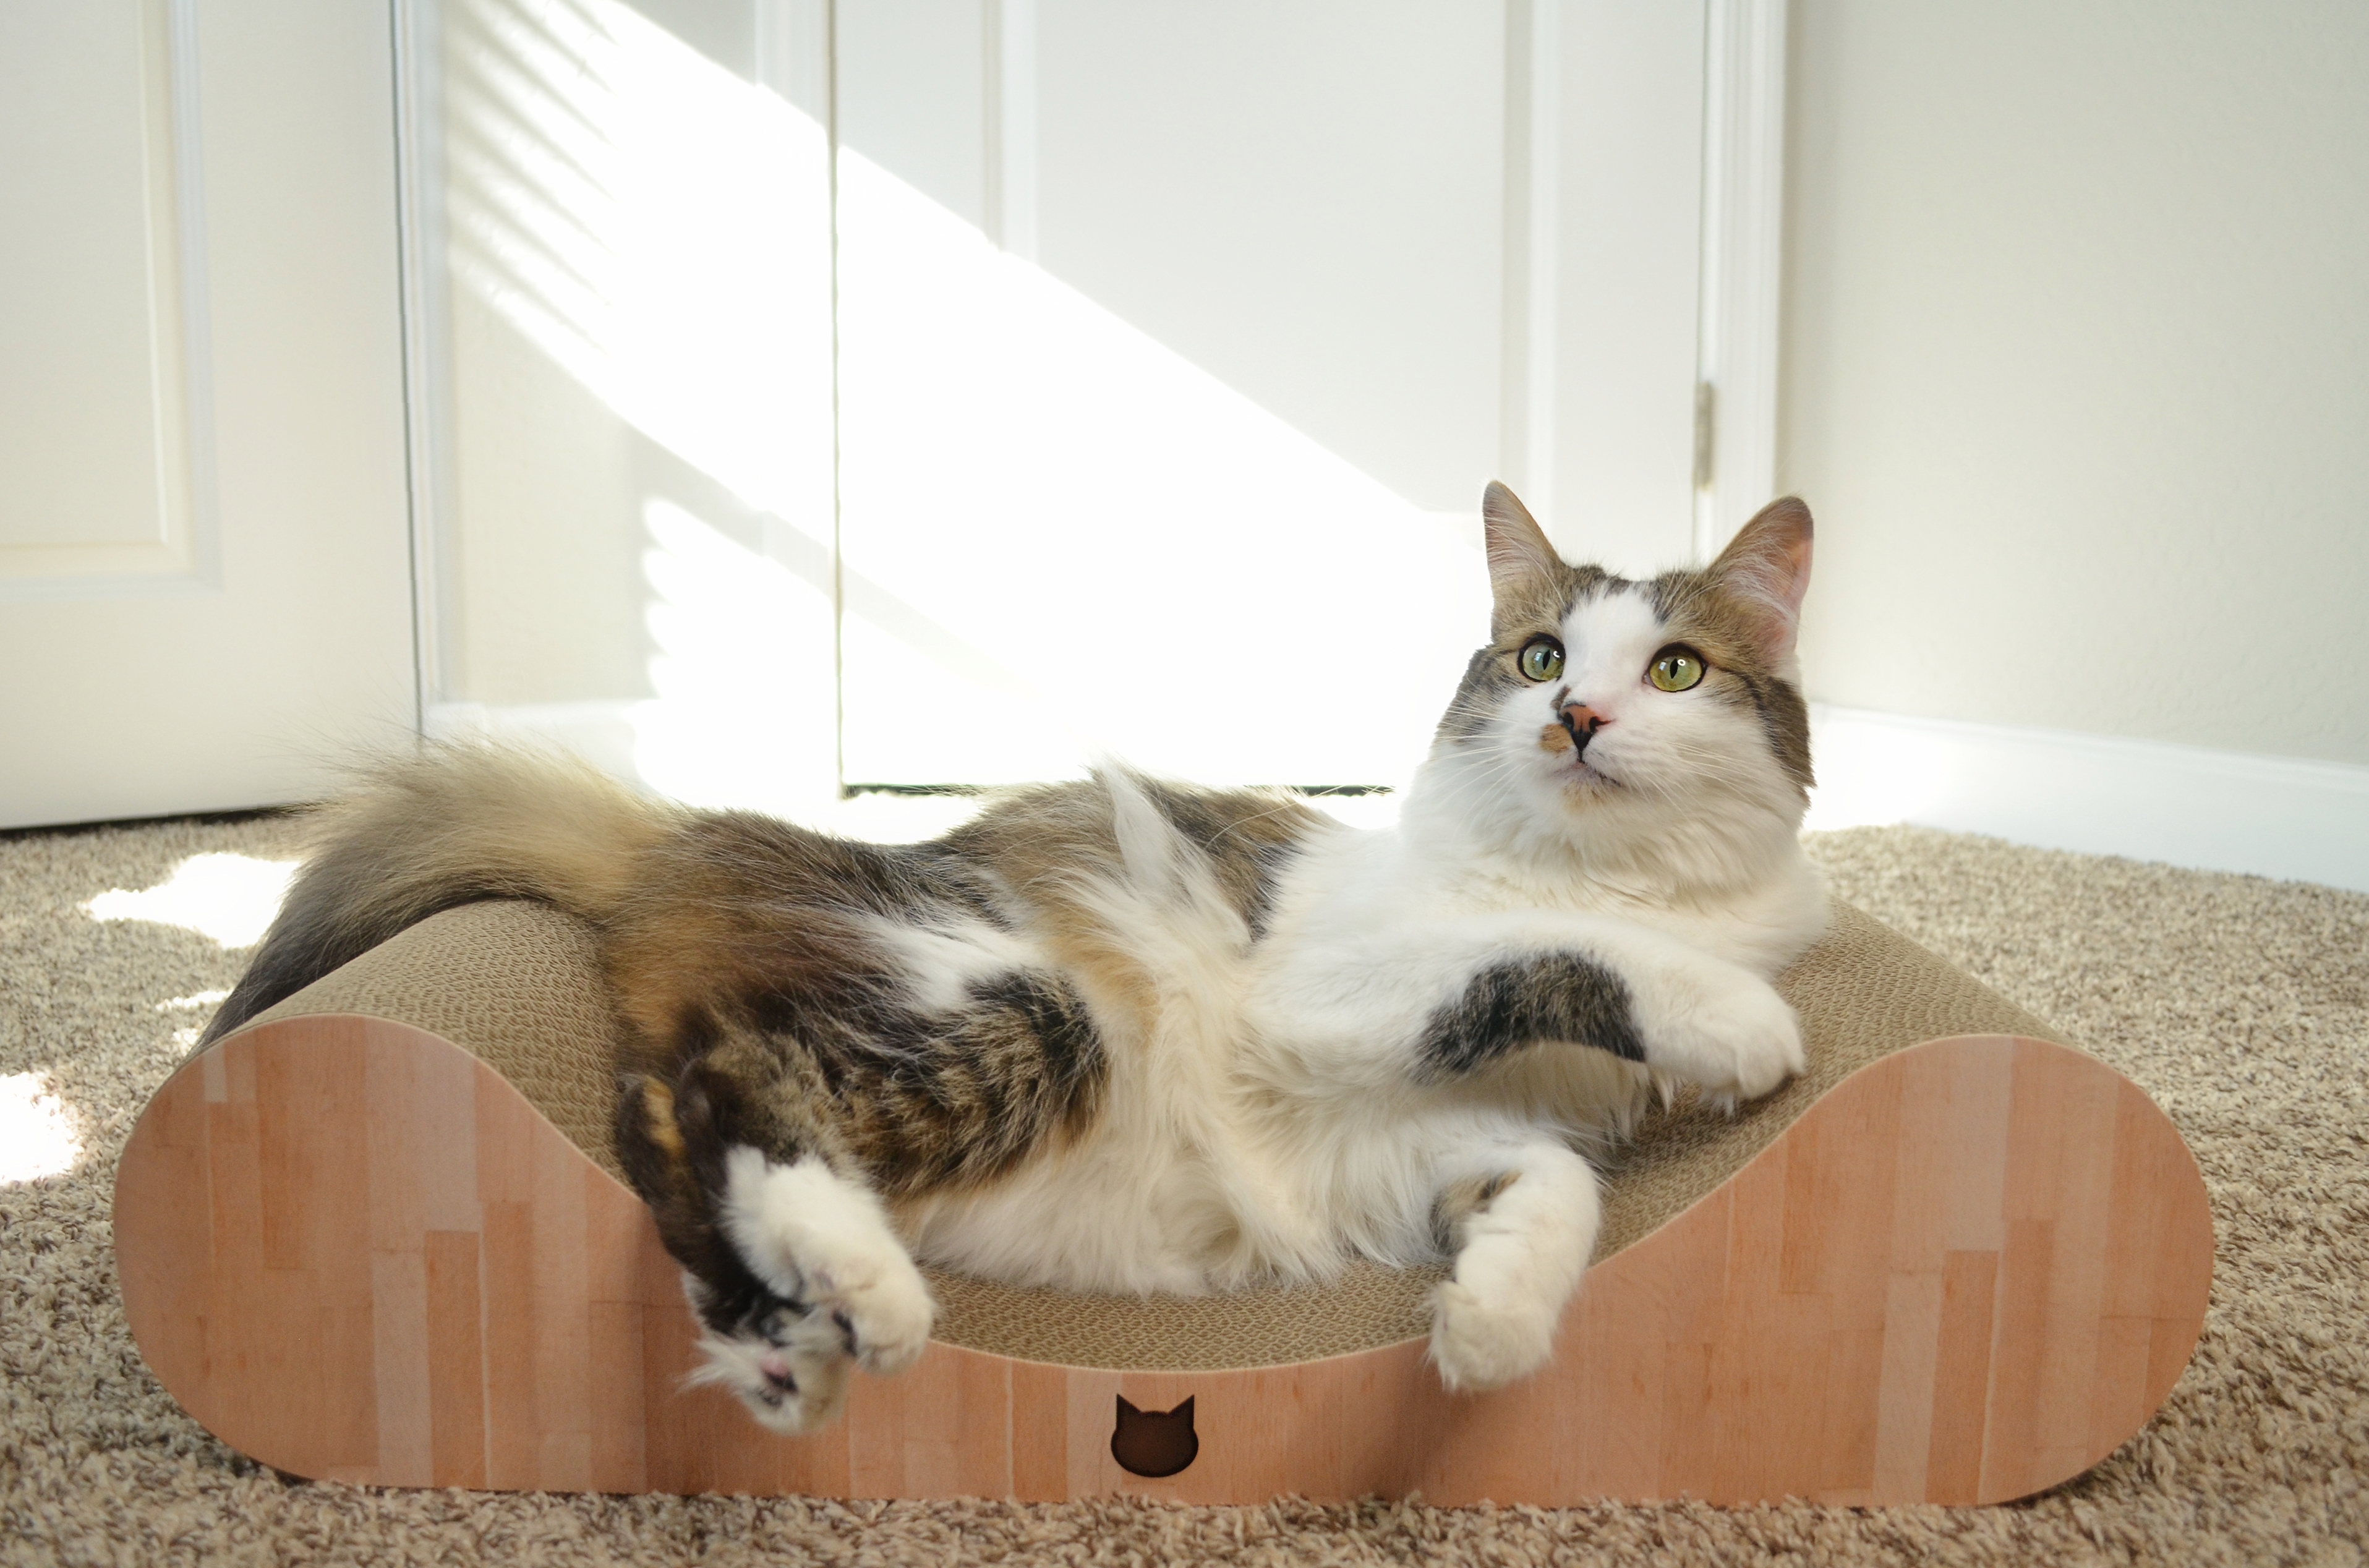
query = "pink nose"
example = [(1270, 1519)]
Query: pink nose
[(1581, 719)]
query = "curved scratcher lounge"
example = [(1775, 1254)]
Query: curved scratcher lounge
[(380, 1235)]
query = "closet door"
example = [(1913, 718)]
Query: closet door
[(205, 586), (1177, 340), (626, 269), (915, 393)]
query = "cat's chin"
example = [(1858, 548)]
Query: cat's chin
[(1582, 781)]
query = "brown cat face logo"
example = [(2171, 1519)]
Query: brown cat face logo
[(1154, 1442)]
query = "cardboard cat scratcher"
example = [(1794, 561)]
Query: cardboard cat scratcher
[(379, 1235)]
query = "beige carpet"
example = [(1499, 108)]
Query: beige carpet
[(2242, 1005)]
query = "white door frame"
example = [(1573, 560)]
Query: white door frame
[(1744, 239)]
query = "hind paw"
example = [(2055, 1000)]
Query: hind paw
[(1482, 1342)]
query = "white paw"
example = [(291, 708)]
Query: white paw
[(816, 1239), (880, 1304), (1723, 1028), (1486, 1340)]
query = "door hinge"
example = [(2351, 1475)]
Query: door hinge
[(1706, 432)]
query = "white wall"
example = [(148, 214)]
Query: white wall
[(2076, 381), (2076, 365)]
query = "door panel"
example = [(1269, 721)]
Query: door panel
[(630, 308), (91, 289), (1164, 435), (204, 566)]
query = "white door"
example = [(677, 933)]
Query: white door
[(205, 586), (1179, 337), (913, 393), (630, 501)]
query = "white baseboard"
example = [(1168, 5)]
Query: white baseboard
[(2275, 817)]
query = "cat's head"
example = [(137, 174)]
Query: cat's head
[(1631, 720)]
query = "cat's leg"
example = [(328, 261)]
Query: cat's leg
[(1468, 994), (1704, 1020), (1520, 1222), (789, 1259)]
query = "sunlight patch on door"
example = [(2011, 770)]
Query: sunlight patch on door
[(659, 229), (1061, 539), (230, 898), (1192, 584), (655, 225), (733, 722)]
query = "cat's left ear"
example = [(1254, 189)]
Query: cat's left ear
[(1767, 566)]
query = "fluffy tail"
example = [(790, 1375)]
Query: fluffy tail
[(450, 825)]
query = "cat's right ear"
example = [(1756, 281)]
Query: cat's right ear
[(1766, 567), (1523, 565)]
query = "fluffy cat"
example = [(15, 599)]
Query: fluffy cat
[(1123, 1034)]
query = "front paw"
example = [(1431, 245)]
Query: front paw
[(822, 1241), (881, 1307), (1730, 1034), (1485, 1341)]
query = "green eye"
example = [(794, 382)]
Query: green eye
[(1675, 669), (1543, 658)]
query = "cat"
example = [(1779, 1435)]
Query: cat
[(1129, 1035)]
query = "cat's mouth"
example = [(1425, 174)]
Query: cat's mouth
[(1580, 774), (1564, 741)]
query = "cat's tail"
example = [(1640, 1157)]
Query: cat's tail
[(449, 825)]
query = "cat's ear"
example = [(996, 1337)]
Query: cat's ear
[(1523, 565), (1766, 567)]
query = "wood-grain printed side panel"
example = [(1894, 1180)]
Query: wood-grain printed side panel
[(1952, 1162), (2052, 1272), (456, 1363), (1616, 1350), (245, 1372), (1040, 1432), (1838, 1306), (1962, 1367), (2182, 1276), (1838, 1220), (614, 1224), (702, 1439), (2159, 1272), (1685, 1286), (939, 1428), (561, 1281), (163, 1234), (291, 1300), (391, 1070), (1770, 1375)]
